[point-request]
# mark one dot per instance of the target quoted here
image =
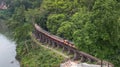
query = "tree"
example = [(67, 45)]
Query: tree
[(100, 34), (66, 30), (54, 22)]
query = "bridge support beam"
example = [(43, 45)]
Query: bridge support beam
[(89, 60), (41, 38), (58, 45), (82, 59), (36, 34), (45, 37), (69, 51), (49, 42), (53, 44), (76, 56), (46, 40), (64, 49)]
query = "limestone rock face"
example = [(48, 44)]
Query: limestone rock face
[(73, 64), (3, 6)]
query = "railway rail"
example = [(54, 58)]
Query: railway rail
[(58, 42)]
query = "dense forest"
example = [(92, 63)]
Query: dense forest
[(93, 25)]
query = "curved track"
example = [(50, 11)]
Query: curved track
[(57, 42)]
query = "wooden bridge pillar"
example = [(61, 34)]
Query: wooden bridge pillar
[(53, 44), (36, 34), (58, 45), (41, 38), (85, 59), (76, 56), (69, 51), (88, 59), (82, 59), (49, 42), (64, 49), (46, 39)]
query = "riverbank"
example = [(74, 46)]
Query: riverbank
[(30, 54), (4, 29), (33, 55)]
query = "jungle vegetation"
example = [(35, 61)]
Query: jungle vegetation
[(93, 25)]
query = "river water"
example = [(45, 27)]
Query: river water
[(7, 52)]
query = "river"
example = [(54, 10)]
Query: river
[(7, 52)]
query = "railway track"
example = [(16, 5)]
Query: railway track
[(57, 42)]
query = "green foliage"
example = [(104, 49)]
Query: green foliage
[(93, 25), (32, 14), (98, 31), (65, 30), (37, 56), (19, 14), (4, 14), (23, 14), (22, 33), (54, 21)]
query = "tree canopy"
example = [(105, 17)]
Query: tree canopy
[(93, 25)]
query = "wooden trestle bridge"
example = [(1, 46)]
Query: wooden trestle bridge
[(57, 42)]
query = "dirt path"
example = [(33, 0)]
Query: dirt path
[(49, 48)]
